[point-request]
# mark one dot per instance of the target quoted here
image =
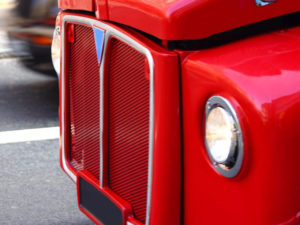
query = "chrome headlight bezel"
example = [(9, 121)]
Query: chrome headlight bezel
[(56, 49), (232, 165)]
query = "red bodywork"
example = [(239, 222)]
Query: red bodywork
[(182, 19), (86, 5), (259, 75)]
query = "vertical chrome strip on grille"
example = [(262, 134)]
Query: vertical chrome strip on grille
[(102, 110), (110, 32), (63, 94)]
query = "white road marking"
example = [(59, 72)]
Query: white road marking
[(39, 134)]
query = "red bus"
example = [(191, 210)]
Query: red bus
[(181, 112)]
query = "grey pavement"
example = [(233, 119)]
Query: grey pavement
[(28, 99), (33, 188)]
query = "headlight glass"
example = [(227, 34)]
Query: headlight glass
[(220, 135), (55, 49), (223, 136)]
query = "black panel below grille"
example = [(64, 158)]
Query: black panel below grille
[(98, 205)]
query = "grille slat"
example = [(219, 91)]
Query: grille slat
[(128, 112), (83, 77)]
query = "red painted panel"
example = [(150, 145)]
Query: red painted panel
[(189, 19), (183, 19), (166, 183), (87, 5), (260, 77)]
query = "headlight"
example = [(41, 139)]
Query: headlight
[(55, 49), (223, 136)]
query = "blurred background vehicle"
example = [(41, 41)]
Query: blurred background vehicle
[(32, 22)]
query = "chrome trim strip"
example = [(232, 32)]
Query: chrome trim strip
[(101, 111), (112, 32), (64, 161)]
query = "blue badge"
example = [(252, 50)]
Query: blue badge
[(99, 39), (264, 2)]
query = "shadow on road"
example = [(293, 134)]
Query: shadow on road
[(43, 66)]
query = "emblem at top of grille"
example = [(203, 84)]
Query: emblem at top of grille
[(264, 2), (99, 39)]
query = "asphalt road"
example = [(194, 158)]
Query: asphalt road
[(33, 189)]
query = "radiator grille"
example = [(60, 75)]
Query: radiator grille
[(83, 93), (127, 112), (128, 125)]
